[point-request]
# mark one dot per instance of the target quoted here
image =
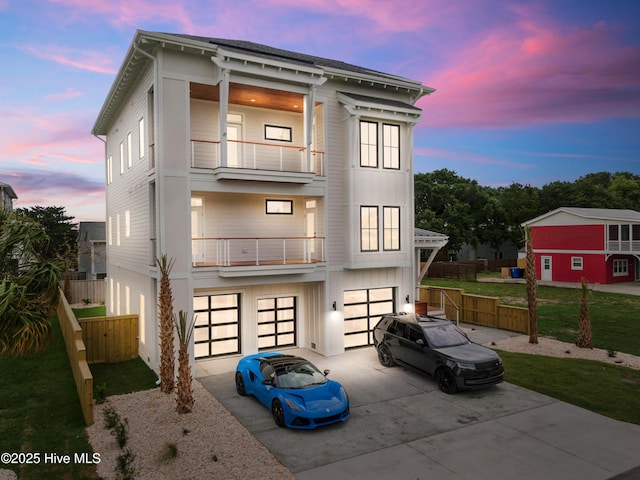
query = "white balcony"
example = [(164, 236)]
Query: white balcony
[(235, 256)]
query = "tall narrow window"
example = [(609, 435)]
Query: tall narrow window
[(141, 138), (391, 146), (368, 229), (121, 158), (129, 150), (391, 228), (109, 170), (368, 144)]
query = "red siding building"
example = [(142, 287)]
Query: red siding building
[(602, 245)]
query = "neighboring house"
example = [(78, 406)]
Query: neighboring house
[(468, 252), (92, 250), (7, 196), (602, 245), (280, 184)]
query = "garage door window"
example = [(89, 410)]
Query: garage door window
[(276, 322), (216, 329), (362, 310)]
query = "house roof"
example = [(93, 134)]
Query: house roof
[(92, 232), (428, 239), (604, 214), (318, 69), (7, 188)]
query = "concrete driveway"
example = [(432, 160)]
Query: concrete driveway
[(403, 427)]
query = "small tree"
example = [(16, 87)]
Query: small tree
[(166, 317), (584, 323), (532, 288), (184, 394)]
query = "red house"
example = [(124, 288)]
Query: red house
[(602, 245)]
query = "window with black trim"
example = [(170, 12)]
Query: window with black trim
[(277, 132), (391, 146), (279, 207), (369, 229), (368, 144), (391, 228)]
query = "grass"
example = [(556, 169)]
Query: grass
[(613, 316), (606, 389), (40, 410)]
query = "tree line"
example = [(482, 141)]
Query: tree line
[(473, 214)]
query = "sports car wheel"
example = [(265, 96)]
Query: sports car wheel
[(384, 355), (446, 381), (240, 384), (278, 412)]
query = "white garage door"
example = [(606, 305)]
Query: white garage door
[(362, 310)]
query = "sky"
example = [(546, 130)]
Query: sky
[(527, 92)]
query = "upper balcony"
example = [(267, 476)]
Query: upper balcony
[(258, 134)]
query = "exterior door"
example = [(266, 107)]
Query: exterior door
[(310, 230), (546, 268), (234, 147)]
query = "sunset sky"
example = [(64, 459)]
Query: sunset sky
[(527, 91)]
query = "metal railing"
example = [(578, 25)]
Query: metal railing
[(230, 252), (256, 156)]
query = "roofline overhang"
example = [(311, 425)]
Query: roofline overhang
[(362, 107), (142, 51), (576, 214)]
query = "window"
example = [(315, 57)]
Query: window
[(276, 322), (620, 267), (129, 150), (275, 132), (121, 158), (109, 170), (391, 146), (576, 263), (368, 144), (368, 229), (216, 328), (141, 138), (391, 228), (279, 207), (127, 223), (613, 232)]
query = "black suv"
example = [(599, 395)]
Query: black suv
[(439, 348)]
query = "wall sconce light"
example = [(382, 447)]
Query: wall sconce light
[(407, 299), (334, 306)]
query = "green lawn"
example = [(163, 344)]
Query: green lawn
[(614, 317)]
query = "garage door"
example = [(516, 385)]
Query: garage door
[(276, 322), (362, 310), (216, 329)]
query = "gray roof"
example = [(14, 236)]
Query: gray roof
[(144, 45), (7, 188), (604, 214), (420, 232), (92, 232)]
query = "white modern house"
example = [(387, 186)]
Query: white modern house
[(281, 184)]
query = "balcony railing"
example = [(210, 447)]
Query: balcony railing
[(238, 252), (623, 245), (256, 156)]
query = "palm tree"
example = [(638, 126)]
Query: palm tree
[(532, 287), (28, 286), (584, 323), (167, 356), (184, 394)]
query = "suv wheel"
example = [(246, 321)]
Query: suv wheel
[(446, 381), (384, 355)]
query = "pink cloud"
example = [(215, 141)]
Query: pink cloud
[(536, 72), (84, 60), (469, 157), (67, 94)]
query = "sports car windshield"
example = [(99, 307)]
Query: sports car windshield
[(299, 375), (445, 336)]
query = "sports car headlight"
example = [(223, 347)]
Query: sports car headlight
[(466, 366), (293, 405)]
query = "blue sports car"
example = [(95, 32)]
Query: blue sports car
[(296, 392)]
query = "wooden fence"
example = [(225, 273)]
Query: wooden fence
[(77, 353), (88, 291), (110, 339), (477, 309)]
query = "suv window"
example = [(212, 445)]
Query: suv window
[(414, 334)]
